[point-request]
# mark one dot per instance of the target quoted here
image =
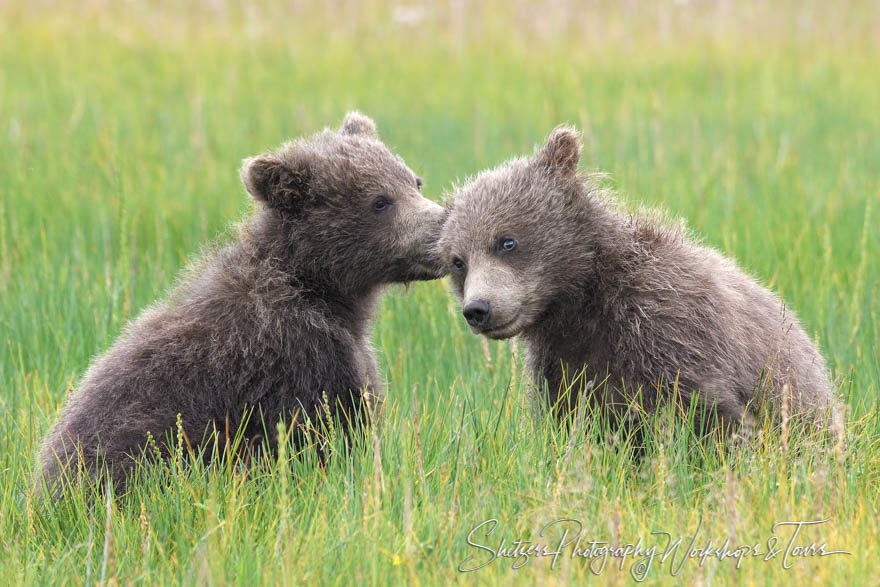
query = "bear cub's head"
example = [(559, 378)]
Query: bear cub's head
[(349, 210), (515, 237)]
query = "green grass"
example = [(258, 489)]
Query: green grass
[(121, 135)]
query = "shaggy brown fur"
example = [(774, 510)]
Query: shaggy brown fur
[(538, 251), (269, 324)]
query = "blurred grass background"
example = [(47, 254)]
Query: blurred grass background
[(122, 128)]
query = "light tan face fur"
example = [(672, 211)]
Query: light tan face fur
[(511, 299)]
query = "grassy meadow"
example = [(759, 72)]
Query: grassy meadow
[(122, 129)]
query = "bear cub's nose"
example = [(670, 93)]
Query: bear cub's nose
[(477, 313)]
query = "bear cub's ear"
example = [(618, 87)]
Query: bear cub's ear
[(562, 151), (269, 180), (356, 123)]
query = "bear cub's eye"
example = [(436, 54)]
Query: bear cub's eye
[(381, 204), (419, 183), (507, 243), (458, 264)]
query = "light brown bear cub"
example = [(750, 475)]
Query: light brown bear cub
[(537, 250), (271, 324)]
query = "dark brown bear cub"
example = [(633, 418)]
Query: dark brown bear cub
[(538, 251), (272, 323)]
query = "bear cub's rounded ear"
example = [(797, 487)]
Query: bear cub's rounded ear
[(356, 123), (562, 151), (269, 180)]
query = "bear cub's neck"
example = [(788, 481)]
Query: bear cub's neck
[(623, 250), (279, 272)]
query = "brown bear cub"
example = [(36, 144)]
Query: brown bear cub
[(271, 324), (537, 250)]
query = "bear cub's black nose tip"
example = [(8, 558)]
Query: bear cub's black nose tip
[(477, 313)]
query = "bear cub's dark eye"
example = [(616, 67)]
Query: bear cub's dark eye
[(507, 243), (458, 264), (381, 204), (419, 183)]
